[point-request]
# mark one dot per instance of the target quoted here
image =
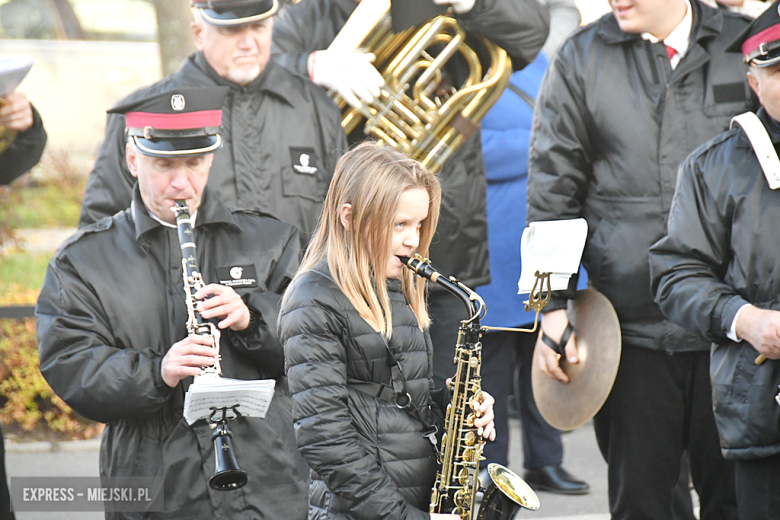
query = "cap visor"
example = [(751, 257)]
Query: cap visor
[(766, 61), (240, 14), (183, 147)]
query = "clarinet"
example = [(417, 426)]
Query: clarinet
[(227, 475), (193, 282)]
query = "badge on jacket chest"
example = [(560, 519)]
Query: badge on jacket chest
[(237, 276), (304, 160)]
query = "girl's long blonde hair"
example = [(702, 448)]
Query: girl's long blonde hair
[(371, 177)]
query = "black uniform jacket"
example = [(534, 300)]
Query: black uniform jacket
[(111, 306), (267, 128), (520, 27), (369, 457), (720, 254), (612, 124), (24, 152)]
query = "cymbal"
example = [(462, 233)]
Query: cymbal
[(597, 331)]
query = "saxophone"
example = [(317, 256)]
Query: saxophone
[(457, 481), (227, 475)]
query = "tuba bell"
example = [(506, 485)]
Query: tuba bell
[(418, 112)]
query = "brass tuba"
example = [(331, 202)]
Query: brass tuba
[(457, 482), (417, 113)]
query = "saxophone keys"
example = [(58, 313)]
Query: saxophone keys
[(469, 439), (468, 456), (463, 476)]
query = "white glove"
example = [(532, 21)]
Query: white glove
[(351, 74), (460, 6)]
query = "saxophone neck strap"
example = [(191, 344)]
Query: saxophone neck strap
[(397, 395), (561, 345), (762, 146)]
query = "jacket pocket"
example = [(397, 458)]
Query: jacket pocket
[(301, 184)]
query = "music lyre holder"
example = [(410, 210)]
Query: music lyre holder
[(535, 301), (227, 476)]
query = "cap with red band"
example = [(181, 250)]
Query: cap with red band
[(759, 42), (235, 12), (180, 122)]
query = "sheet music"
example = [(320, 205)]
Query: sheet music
[(555, 247), (252, 397), (13, 69)]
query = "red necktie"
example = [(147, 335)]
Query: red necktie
[(671, 52)]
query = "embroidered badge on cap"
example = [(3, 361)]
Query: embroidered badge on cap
[(237, 276), (177, 102), (303, 160)]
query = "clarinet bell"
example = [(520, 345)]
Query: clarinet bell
[(227, 476)]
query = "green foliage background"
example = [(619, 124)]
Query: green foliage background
[(50, 197)]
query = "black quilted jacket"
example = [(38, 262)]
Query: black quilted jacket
[(369, 458)]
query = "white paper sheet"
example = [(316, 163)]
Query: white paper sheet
[(555, 247), (13, 69), (252, 397)]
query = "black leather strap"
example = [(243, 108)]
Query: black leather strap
[(560, 346)]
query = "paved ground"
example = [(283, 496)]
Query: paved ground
[(581, 458)]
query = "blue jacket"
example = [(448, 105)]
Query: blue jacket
[(506, 131)]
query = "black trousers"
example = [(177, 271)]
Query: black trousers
[(5, 497), (659, 407), (541, 442), (758, 488)]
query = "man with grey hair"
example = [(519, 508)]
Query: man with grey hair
[(282, 134)]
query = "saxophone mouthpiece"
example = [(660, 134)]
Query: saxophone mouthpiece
[(421, 266)]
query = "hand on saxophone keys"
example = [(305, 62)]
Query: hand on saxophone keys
[(483, 413), (186, 357), (484, 420)]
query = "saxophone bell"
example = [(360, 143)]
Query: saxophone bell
[(505, 495)]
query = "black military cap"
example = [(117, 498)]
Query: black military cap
[(235, 12), (759, 42), (177, 123)]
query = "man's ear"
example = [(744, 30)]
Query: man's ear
[(197, 34), (753, 82), (345, 216), (131, 158)]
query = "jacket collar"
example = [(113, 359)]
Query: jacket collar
[(772, 128), (707, 22), (211, 213), (274, 79)]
